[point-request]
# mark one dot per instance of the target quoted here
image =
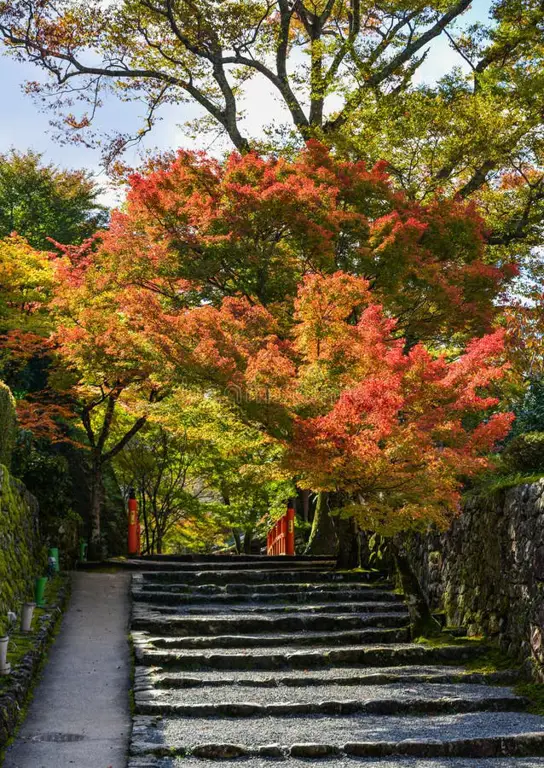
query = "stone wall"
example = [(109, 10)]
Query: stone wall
[(487, 571), (22, 555)]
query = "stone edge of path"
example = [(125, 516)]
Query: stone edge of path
[(14, 700)]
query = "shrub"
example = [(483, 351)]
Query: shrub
[(525, 453), (8, 424)]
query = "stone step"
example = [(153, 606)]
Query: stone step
[(236, 560), (266, 610), (255, 589), (415, 706), (389, 699), (155, 564), (299, 596), (400, 654), (151, 761), (371, 635), (146, 677), (343, 761), (257, 576), (257, 623), (263, 564), (474, 735)]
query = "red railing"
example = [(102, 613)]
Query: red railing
[(281, 537)]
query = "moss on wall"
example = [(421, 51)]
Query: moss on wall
[(22, 555), (8, 424)]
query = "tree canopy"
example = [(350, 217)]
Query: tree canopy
[(226, 278), (254, 227), (343, 71), (43, 203)]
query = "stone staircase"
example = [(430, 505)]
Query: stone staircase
[(260, 660)]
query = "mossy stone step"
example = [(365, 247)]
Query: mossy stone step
[(235, 560), (298, 596), (476, 734), (258, 624), (293, 658), (414, 706), (264, 610), (347, 677), (247, 701), (302, 639), (257, 576), (341, 761), (242, 589)]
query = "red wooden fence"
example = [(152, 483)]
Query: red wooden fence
[(281, 537)]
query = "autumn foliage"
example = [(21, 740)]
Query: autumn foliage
[(357, 413), (306, 291), (255, 227), (395, 429)]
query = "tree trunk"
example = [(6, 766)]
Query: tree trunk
[(364, 548), (349, 550), (305, 505), (323, 536), (248, 536), (422, 623), (237, 541), (97, 491)]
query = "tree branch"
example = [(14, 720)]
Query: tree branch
[(395, 63), (224, 117), (118, 447)]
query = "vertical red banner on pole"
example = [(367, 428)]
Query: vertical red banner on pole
[(133, 525), (290, 533)]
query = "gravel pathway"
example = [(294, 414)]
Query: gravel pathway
[(345, 762), (319, 693), (256, 731)]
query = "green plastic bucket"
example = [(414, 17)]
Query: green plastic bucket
[(39, 591), (53, 555)]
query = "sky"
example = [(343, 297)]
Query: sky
[(24, 126)]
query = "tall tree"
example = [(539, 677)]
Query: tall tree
[(26, 287), (103, 368), (42, 202), (196, 229), (393, 429), (340, 69), (180, 292)]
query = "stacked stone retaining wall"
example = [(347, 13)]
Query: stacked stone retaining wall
[(487, 572), (22, 553)]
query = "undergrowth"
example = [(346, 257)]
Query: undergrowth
[(534, 692), (489, 486), (21, 643), (445, 638), (493, 660)]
